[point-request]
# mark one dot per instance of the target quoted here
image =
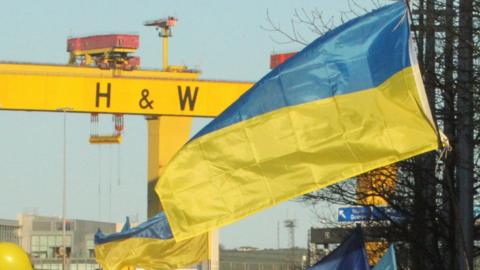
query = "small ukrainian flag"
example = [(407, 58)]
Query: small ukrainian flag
[(149, 246)]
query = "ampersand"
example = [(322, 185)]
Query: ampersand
[(144, 102)]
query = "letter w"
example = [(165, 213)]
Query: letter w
[(187, 96)]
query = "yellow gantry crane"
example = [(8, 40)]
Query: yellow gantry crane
[(105, 79), (169, 98)]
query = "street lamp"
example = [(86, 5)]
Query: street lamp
[(64, 194)]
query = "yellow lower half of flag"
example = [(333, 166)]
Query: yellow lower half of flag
[(233, 172), (149, 253)]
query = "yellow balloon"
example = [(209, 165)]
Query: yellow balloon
[(12, 257)]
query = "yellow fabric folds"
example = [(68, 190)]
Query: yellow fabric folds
[(149, 253), (257, 163)]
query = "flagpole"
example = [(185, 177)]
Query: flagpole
[(64, 193)]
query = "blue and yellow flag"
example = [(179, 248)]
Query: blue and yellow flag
[(388, 261), (351, 255), (350, 102), (149, 246)]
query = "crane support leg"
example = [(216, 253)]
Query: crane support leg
[(166, 134)]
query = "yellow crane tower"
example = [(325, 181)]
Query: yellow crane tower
[(164, 28), (168, 99)]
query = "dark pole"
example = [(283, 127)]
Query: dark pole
[(449, 198), (421, 33), (425, 249), (464, 143)]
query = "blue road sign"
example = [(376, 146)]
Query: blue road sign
[(367, 213)]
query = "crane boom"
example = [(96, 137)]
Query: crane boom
[(33, 87)]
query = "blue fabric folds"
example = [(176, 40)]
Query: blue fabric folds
[(350, 255), (156, 227)]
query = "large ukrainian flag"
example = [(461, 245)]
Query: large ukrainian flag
[(350, 102)]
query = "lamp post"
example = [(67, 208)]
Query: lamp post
[(64, 193)]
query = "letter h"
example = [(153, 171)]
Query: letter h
[(103, 95)]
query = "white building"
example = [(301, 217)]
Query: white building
[(42, 238), (9, 231)]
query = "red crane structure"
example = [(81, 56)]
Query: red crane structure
[(112, 51)]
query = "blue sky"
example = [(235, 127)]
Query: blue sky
[(222, 38)]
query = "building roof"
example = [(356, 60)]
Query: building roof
[(9, 222)]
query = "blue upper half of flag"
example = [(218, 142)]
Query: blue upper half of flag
[(358, 55), (349, 255), (156, 227)]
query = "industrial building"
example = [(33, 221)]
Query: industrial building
[(42, 238), (262, 259), (9, 231)]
